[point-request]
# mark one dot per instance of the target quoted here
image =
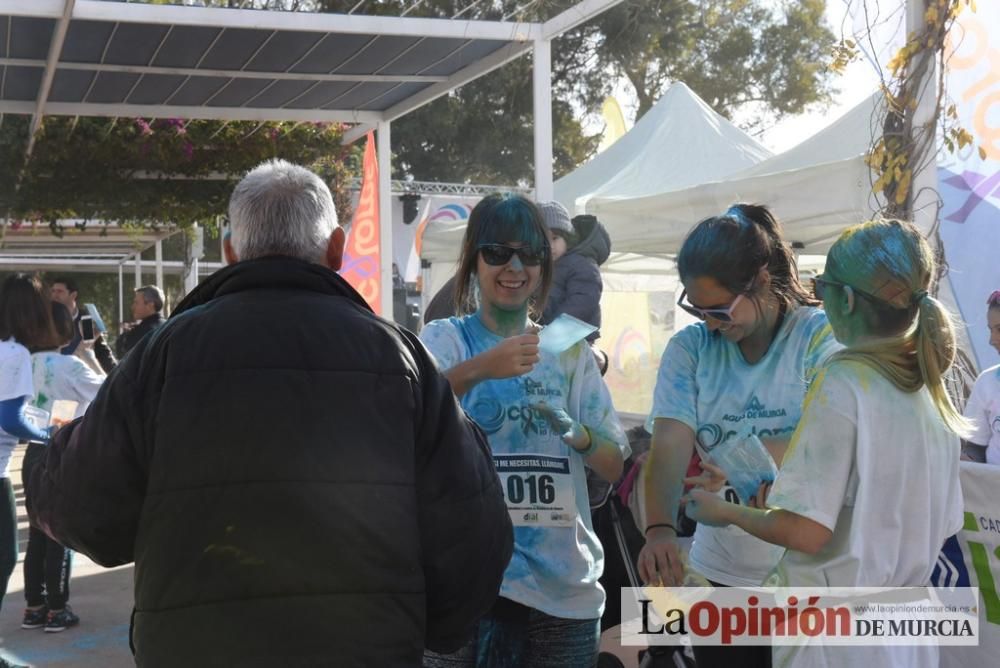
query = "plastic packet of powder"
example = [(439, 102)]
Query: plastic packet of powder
[(562, 333), (746, 463)]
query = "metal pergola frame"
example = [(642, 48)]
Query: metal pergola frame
[(512, 39)]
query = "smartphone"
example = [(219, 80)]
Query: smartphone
[(87, 328)]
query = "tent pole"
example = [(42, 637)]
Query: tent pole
[(138, 270), (542, 98), (383, 139)]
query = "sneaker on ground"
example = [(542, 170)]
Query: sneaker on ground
[(61, 620), (34, 619)]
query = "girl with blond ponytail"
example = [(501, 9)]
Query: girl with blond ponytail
[(869, 489)]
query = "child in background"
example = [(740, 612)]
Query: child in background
[(47, 563), (579, 247), (983, 407)]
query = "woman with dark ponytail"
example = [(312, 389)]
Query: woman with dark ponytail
[(742, 370), (869, 488)]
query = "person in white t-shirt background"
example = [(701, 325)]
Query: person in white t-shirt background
[(983, 407), (869, 487), (25, 326), (47, 564), (744, 368)]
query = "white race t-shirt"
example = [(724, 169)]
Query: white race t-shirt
[(879, 468), (15, 381), (557, 556), (983, 409), (705, 383), (63, 377)]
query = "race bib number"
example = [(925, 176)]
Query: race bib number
[(538, 489)]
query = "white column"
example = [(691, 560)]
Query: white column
[(138, 270), (159, 263), (121, 294), (194, 248), (383, 142), (924, 184), (542, 98)]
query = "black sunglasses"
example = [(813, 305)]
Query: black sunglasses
[(500, 254)]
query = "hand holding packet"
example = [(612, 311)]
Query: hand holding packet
[(562, 333), (746, 463)]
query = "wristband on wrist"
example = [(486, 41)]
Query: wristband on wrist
[(661, 525), (590, 449)]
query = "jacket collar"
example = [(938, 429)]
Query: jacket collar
[(277, 272)]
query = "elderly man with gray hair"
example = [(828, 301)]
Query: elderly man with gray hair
[(147, 316), (292, 476)]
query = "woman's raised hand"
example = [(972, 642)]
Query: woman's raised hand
[(514, 356)]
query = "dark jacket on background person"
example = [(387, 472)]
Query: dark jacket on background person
[(102, 351), (442, 305), (576, 280), (128, 339), (294, 479)]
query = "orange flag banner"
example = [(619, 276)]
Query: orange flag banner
[(362, 266)]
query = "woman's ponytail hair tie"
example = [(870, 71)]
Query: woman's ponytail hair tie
[(918, 297)]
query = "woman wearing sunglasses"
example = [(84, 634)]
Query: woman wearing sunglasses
[(869, 489), (743, 369), (983, 407), (547, 416)]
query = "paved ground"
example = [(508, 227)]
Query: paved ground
[(102, 597)]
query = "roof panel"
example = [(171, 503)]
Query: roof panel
[(185, 46), (85, 41), (30, 37), (70, 85), (283, 50), (196, 90), (234, 48), (135, 43), (155, 88), (5, 27), (474, 51), (281, 93), (238, 92), (376, 55), (331, 52), (359, 95), (111, 87), (320, 94), (423, 55), (22, 83), (398, 94)]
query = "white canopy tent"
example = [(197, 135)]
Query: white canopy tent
[(119, 59), (680, 142), (817, 188)]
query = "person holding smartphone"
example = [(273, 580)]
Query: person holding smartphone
[(87, 344)]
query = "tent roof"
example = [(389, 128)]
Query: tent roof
[(680, 142), (816, 189)]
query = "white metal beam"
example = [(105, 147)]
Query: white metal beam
[(542, 102), (574, 16), (500, 57), (207, 113), (357, 132), (238, 74), (55, 49), (96, 10)]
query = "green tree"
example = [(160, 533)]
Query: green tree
[(747, 55)]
